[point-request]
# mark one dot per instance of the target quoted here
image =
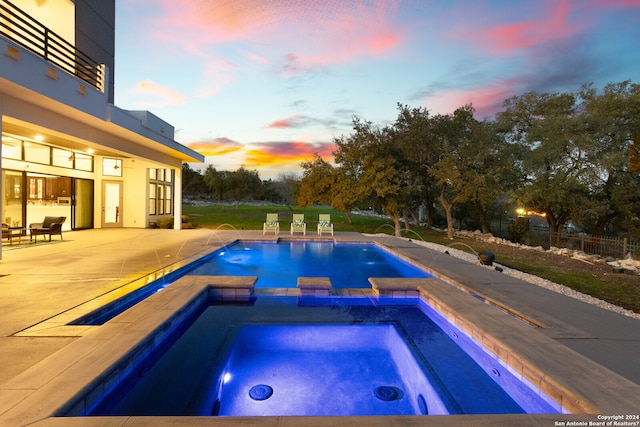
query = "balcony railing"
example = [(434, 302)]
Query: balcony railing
[(27, 32)]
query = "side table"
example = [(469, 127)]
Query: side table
[(16, 232)]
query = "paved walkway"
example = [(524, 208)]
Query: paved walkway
[(41, 281)]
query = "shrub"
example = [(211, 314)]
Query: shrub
[(165, 222)]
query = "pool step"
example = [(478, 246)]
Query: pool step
[(227, 288), (314, 286), (397, 287)]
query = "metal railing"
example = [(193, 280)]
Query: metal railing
[(25, 31)]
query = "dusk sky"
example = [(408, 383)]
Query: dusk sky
[(268, 83)]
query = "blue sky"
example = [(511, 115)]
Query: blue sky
[(265, 84)]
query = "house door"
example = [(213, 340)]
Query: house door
[(111, 204), (82, 207)]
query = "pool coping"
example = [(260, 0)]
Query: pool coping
[(85, 366)]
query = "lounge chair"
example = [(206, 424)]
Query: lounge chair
[(298, 225), (51, 225), (271, 224), (324, 224)]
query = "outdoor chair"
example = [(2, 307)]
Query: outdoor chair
[(271, 224), (50, 226), (324, 224), (298, 225)]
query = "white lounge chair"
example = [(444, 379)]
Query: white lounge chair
[(271, 224), (298, 225), (324, 224)]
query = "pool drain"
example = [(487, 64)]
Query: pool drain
[(387, 393), (260, 392)]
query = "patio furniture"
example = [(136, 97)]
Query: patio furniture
[(50, 226), (271, 224), (298, 225), (324, 224), (11, 233)]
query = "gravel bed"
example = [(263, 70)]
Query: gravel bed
[(547, 284)]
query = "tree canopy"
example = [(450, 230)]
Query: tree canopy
[(573, 157)]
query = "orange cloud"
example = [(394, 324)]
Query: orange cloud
[(165, 96), (217, 147), (285, 153)]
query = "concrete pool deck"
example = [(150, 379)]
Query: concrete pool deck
[(44, 281)]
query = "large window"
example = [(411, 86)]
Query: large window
[(160, 192)]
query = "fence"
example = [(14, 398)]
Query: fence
[(603, 246), (594, 245)]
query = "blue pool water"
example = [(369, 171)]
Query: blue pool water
[(336, 356), (278, 265)]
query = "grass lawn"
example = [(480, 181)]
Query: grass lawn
[(245, 217), (616, 289)]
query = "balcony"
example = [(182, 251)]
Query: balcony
[(25, 31)]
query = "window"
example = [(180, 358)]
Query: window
[(37, 153), (152, 198), (167, 198), (63, 158), (111, 167), (11, 147), (160, 199), (36, 188), (84, 162), (160, 191)]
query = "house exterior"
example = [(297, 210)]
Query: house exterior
[(67, 150)]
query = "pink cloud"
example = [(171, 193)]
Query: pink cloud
[(552, 23), (486, 99), (160, 96), (315, 35), (617, 4), (289, 122)]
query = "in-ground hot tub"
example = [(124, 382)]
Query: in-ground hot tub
[(317, 356)]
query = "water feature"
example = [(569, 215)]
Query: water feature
[(451, 245), (220, 228), (279, 356), (129, 254)]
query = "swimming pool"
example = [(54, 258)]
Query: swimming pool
[(279, 264), (341, 356)]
